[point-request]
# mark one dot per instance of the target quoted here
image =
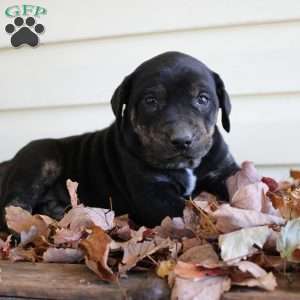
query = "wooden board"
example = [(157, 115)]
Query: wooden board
[(71, 282)]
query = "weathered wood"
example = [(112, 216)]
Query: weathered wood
[(72, 282)]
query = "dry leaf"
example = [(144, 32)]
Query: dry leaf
[(19, 219), (173, 228), (189, 270), (271, 183), (207, 288), (65, 235), (198, 218), (203, 255), (80, 218), (239, 244), (29, 235), (260, 278), (165, 267), (231, 218), (247, 175), (190, 243), (268, 261), (251, 196), (62, 255), (72, 189), (96, 249), (289, 240), (137, 251), (136, 236), (295, 174), (20, 254), (5, 247), (267, 282)]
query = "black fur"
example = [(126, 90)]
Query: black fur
[(137, 161)]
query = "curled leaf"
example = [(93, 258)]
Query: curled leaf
[(189, 270), (203, 255), (238, 244), (289, 240), (20, 254), (137, 251), (165, 267), (231, 218), (72, 187), (96, 249), (62, 255), (247, 175), (80, 218), (207, 288), (19, 219)]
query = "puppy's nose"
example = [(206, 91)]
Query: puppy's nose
[(182, 142)]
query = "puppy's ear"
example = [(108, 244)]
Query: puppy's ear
[(120, 98), (224, 101)]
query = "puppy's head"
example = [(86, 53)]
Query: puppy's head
[(167, 110)]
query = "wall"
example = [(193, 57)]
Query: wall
[(64, 86)]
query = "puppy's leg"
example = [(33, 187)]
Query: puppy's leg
[(155, 202), (3, 170), (31, 174)]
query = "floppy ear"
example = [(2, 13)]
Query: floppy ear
[(224, 101), (120, 98)]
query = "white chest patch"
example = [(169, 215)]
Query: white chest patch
[(191, 182)]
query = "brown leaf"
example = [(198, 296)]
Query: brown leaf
[(199, 219), (231, 218), (295, 174), (207, 288), (62, 255), (203, 255), (267, 261), (137, 251), (190, 243), (136, 236), (165, 267), (247, 175), (5, 246), (20, 254), (65, 235), (271, 183), (251, 196), (96, 249), (260, 278), (19, 219), (173, 228), (238, 244), (72, 189), (190, 270), (80, 218)]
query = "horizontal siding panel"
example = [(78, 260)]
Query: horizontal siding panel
[(91, 19), (262, 59), (263, 128), (17, 128), (277, 172)]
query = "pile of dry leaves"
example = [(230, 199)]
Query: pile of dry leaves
[(212, 247)]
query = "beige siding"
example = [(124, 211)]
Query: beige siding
[(64, 86)]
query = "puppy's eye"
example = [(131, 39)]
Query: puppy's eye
[(151, 101), (202, 99)]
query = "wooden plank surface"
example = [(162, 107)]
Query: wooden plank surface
[(72, 282), (67, 281)]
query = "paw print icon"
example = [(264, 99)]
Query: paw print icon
[(24, 32)]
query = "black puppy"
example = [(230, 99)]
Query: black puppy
[(163, 147)]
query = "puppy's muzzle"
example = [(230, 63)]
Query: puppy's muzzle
[(181, 142)]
